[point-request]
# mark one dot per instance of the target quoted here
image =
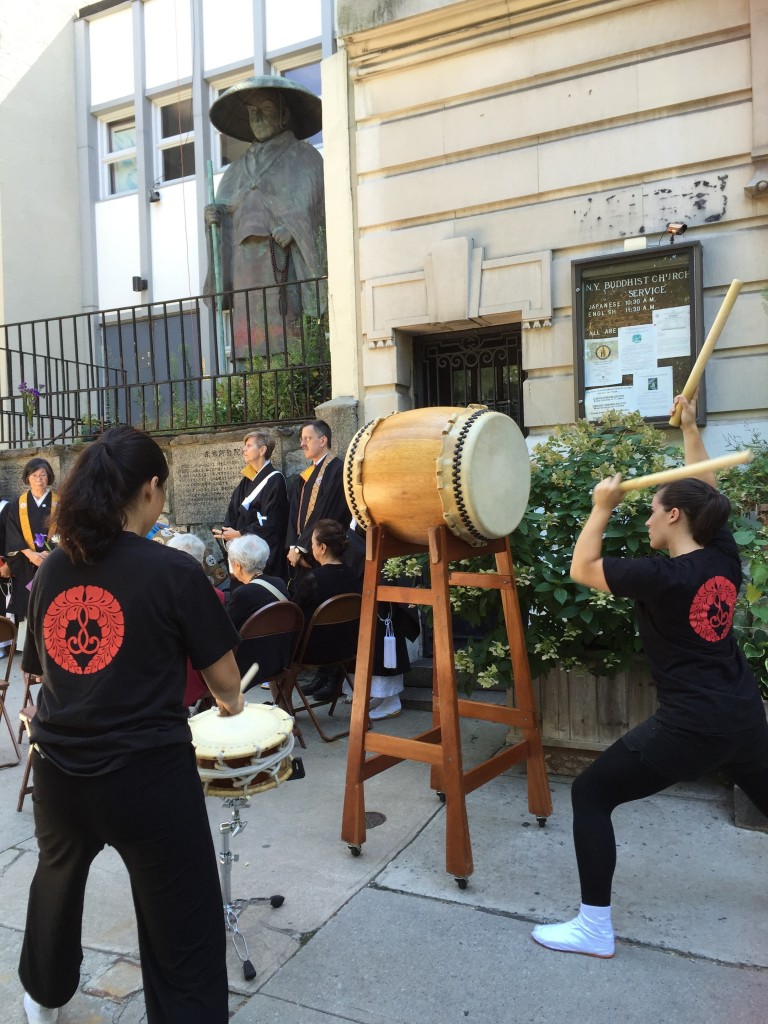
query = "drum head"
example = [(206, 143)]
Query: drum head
[(258, 728), (483, 475)]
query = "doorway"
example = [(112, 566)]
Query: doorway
[(477, 367)]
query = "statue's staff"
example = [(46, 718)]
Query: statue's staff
[(217, 298)]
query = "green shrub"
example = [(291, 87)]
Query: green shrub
[(570, 625), (747, 488), (567, 624)]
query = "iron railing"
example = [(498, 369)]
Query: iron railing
[(193, 364)]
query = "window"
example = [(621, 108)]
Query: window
[(176, 143), (307, 75), (120, 155)]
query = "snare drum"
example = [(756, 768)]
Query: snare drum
[(242, 754), (468, 468)]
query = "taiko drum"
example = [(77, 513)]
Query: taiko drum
[(468, 468)]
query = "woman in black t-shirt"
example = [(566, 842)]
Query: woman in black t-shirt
[(112, 620), (710, 714), (330, 578)]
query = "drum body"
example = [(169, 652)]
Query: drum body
[(467, 467), (244, 754)]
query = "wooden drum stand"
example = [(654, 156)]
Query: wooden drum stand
[(440, 746)]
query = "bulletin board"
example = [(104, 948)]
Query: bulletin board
[(637, 330)]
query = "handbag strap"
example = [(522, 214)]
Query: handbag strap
[(273, 590)]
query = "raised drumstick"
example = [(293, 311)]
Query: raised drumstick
[(706, 349), (698, 469)]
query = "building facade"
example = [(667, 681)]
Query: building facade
[(489, 145), (475, 151)]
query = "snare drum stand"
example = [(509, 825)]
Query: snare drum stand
[(234, 908)]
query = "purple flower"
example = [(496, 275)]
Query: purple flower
[(40, 539)]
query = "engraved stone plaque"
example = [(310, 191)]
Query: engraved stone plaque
[(204, 476)]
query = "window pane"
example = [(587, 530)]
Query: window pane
[(487, 385), (231, 150), (176, 118), (178, 161), (122, 176), (122, 135), (309, 77)]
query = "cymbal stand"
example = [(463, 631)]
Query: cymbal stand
[(234, 908)]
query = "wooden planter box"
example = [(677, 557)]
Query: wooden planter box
[(580, 711)]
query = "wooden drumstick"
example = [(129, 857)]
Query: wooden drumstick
[(245, 681), (698, 469), (706, 349)]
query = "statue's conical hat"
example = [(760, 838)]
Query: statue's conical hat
[(229, 112)]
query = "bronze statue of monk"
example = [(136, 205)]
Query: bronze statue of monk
[(270, 212)]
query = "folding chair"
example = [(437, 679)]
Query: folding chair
[(26, 715), (8, 635), (29, 682), (330, 639), (270, 637)]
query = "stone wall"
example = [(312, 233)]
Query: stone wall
[(204, 468)]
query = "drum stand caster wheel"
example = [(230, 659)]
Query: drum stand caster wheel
[(462, 882), (356, 850), (542, 822), (440, 795)]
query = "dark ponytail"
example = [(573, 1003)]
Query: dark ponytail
[(103, 483), (705, 508)]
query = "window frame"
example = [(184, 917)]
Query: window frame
[(110, 157), (164, 143)]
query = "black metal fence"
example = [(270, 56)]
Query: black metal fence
[(195, 364)]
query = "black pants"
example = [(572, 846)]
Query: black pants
[(664, 757), (152, 812)]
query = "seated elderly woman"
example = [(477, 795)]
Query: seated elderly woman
[(247, 557), (195, 688), (248, 554)]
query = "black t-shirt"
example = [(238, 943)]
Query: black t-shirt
[(684, 609), (111, 641)]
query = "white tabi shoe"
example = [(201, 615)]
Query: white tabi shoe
[(387, 707), (589, 933), (37, 1014)]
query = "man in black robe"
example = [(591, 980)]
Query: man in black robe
[(318, 495), (259, 503)]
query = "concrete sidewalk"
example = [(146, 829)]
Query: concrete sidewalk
[(389, 938)]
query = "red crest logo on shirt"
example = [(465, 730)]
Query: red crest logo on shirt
[(83, 629), (712, 609)]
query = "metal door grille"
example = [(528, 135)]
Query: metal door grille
[(477, 367)]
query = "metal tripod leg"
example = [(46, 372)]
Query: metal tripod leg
[(234, 908)]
